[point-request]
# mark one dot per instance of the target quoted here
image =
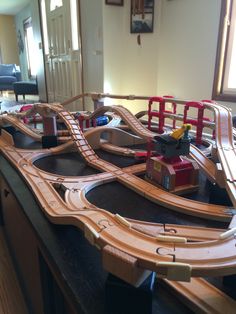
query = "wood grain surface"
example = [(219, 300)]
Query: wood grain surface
[(11, 298)]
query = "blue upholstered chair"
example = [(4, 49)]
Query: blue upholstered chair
[(8, 75)]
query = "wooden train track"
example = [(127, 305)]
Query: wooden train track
[(226, 150), (120, 240)]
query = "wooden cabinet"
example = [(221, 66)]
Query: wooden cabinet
[(39, 283), (23, 246)]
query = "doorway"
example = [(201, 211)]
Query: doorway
[(62, 50)]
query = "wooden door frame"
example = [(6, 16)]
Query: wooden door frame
[(80, 52)]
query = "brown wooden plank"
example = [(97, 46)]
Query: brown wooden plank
[(11, 298)]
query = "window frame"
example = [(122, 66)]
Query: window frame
[(218, 92), (27, 23)]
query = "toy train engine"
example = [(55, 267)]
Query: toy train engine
[(85, 122), (169, 169)]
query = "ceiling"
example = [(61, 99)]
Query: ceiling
[(12, 7)]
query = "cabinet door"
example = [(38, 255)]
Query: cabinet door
[(23, 246)]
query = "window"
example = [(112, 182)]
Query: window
[(54, 4), (224, 87), (74, 24), (31, 52), (44, 26)]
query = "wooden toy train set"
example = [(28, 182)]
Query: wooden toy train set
[(171, 167)]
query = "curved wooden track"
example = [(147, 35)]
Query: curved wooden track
[(121, 240), (226, 150), (134, 124), (114, 146), (14, 121), (138, 128)]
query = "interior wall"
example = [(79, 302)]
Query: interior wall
[(189, 33), (8, 40), (92, 46), (113, 61), (130, 68), (177, 59), (113, 32)]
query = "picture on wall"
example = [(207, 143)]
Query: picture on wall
[(141, 17)]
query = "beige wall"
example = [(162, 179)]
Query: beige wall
[(189, 31), (8, 41), (178, 58), (189, 34), (92, 46), (129, 68)]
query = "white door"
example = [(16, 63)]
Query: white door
[(62, 50)]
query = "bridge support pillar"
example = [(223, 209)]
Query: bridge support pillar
[(50, 132)]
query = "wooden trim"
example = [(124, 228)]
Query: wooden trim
[(43, 52), (81, 54), (12, 298), (222, 47), (224, 97), (217, 75)]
